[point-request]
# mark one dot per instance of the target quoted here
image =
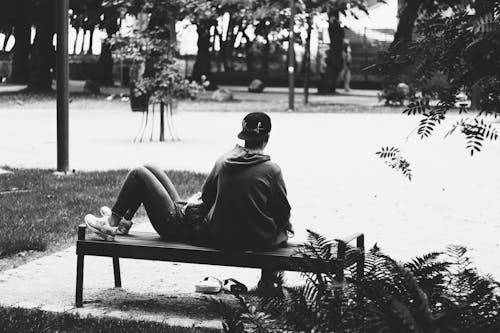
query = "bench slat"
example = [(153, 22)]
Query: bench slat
[(143, 245)]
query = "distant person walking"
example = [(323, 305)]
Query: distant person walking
[(345, 75)]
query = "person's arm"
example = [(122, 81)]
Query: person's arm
[(281, 206), (209, 189)]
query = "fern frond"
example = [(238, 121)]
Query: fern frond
[(485, 24), (232, 321)]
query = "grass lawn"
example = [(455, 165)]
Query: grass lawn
[(21, 320), (40, 211)]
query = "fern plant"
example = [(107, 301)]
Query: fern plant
[(439, 292)]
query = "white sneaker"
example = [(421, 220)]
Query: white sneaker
[(124, 225), (101, 227), (209, 285)]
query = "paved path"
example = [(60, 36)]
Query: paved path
[(336, 185), (270, 94)]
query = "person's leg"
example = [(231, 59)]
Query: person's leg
[(347, 79), (128, 201), (142, 187), (269, 280), (164, 180), (341, 76)]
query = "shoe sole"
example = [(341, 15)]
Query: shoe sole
[(99, 233), (207, 289)]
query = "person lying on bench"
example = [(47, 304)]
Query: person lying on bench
[(243, 203)]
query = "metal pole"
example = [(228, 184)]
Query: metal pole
[(162, 121), (291, 59), (62, 69), (307, 56)]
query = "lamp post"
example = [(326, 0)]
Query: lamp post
[(62, 72), (291, 59)]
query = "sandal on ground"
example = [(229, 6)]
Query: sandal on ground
[(124, 225), (209, 285), (234, 286)]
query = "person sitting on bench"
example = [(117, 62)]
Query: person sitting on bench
[(243, 203)]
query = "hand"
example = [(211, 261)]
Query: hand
[(193, 201)]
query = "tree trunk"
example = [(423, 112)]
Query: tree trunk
[(307, 60), (91, 41), (84, 36), (333, 59), (248, 54), (227, 46), (43, 57), (202, 62), (265, 58), (407, 16), (105, 63), (6, 40), (75, 41), (105, 66), (21, 51), (218, 56)]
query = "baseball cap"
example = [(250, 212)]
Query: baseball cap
[(255, 126)]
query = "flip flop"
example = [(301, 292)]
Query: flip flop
[(209, 285), (234, 286)]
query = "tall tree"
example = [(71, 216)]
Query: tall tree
[(105, 62), (22, 17), (204, 15), (270, 17), (334, 9), (16, 19), (43, 55), (89, 14)]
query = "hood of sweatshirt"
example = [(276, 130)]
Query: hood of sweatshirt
[(240, 158)]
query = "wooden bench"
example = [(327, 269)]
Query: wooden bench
[(149, 246)]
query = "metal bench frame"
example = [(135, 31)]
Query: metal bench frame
[(149, 246)]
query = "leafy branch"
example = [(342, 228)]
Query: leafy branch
[(476, 131), (392, 157)]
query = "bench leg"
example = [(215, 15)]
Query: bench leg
[(268, 278), (116, 270), (79, 281), (360, 267)]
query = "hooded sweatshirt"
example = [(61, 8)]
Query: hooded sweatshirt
[(247, 198)]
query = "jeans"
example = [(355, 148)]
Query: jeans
[(150, 186)]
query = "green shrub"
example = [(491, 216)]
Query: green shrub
[(437, 292)]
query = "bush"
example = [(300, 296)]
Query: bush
[(436, 292)]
